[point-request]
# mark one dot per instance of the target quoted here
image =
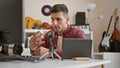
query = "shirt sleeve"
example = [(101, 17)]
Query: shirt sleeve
[(81, 34), (59, 52)]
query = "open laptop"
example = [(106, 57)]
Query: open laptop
[(76, 47)]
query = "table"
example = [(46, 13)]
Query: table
[(56, 63), (113, 56)]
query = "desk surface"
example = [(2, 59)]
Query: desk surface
[(102, 53), (56, 63)]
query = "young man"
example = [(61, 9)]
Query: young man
[(60, 23)]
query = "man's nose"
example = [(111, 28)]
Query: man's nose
[(55, 22)]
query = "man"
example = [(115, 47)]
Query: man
[(60, 23)]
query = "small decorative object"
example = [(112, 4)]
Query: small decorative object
[(46, 10), (90, 6), (31, 23), (46, 25)]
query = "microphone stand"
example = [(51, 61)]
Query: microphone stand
[(51, 51)]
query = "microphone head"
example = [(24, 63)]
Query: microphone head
[(51, 34)]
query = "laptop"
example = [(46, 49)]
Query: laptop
[(76, 47)]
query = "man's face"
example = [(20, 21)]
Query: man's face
[(59, 21)]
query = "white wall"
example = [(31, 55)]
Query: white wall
[(33, 8), (105, 7)]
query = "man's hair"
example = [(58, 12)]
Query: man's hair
[(59, 8)]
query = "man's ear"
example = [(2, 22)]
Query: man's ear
[(68, 19)]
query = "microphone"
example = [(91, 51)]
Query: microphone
[(51, 35)]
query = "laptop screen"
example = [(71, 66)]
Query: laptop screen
[(76, 47)]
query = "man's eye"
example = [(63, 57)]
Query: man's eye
[(52, 19), (58, 19)]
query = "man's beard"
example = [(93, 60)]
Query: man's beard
[(60, 28)]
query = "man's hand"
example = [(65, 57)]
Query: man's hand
[(36, 41), (36, 47)]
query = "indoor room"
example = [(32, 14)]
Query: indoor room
[(41, 33)]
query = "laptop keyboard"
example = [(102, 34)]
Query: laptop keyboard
[(18, 57)]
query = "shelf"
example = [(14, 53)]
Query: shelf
[(36, 30)]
